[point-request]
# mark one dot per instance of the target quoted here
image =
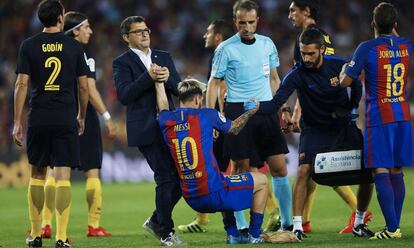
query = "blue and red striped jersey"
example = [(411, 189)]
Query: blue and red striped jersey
[(385, 61), (188, 133)]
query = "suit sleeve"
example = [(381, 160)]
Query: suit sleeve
[(128, 88), (174, 79)]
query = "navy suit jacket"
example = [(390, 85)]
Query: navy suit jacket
[(135, 89)]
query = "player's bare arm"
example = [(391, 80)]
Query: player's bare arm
[(344, 80), (20, 93), (83, 102), (212, 91), (221, 95), (238, 124), (162, 100), (274, 81), (95, 99)]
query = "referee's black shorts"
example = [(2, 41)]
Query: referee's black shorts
[(262, 134), (91, 145), (55, 146)]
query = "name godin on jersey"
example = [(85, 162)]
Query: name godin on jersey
[(54, 63)]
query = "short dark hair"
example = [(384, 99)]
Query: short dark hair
[(72, 19), (313, 6), (245, 5), (189, 88), (126, 23), (48, 12), (222, 27), (385, 17), (312, 36)]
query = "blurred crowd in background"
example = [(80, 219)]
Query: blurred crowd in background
[(177, 26)]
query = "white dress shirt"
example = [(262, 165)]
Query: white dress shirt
[(145, 58)]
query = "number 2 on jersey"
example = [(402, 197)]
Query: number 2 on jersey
[(398, 73), (57, 66), (182, 153)]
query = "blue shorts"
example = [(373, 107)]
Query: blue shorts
[(389, 145), (237, 195)]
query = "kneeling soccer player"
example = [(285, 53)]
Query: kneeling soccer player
[(188, 131)]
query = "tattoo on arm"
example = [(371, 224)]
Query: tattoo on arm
[(238, 124)]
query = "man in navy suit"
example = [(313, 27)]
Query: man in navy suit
[(135, 73)]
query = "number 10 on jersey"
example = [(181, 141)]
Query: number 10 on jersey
[(182, 153)]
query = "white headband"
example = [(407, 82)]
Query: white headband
[(75, 27)]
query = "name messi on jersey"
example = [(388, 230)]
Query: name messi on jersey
[(393, 54), (53, 47), (182, 127)]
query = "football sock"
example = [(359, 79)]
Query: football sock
[(346, 193), (63, 202), (35, 199), (385, 196), (398, 186), (202, 218), (230, 224), (94, 199), (271, 204), (50, 190), (283, 194), (240, 219), (256, 220), (297, 223), (307, 208), (359, 218)]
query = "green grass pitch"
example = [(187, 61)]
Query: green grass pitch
[(126, 207)]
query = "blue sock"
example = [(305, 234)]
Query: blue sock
[(398, 186), (230, 224), (240, 219), (283, 194), (385, 196), (256, 221)]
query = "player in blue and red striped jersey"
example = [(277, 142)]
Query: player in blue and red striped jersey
[(188, 132), (388, 132)]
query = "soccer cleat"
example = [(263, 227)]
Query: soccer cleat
[(273, 224), (350, 226), (306, 227), (231, 240), (97, 232), (61, 244), (172, 240), (300, 235), (362, 231), (151, 228), (193, 227), (385, 234), (46, 232), (258, 240), (244, 235), (34, 242)]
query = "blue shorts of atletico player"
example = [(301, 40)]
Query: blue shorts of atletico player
[(236, 195), (388, 145)]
